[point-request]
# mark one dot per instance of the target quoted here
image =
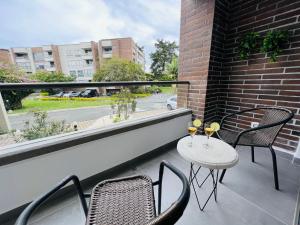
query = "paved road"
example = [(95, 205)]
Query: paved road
[(153, 102)]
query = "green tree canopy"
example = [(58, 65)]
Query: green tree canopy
[(46, 76), (117, 69), (11, 74), (172, 68), (164, 53)]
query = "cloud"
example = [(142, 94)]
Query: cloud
[(38, 22)]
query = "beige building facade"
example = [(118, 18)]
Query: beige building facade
[(81, 60)]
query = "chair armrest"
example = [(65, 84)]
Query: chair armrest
[(182, 201), (25, 215)]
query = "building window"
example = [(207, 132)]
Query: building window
[(21, 55), (88, 51), (73, 72), (80, 73), (89, 62), (88, 73), (38, 56), (49, 53), (24, 65), (107, 50), (40, 67), (52, 64)]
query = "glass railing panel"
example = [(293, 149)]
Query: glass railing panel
[(57, 111)]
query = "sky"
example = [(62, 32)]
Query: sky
[(29, 23)]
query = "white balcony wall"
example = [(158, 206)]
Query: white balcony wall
[(25, 180)]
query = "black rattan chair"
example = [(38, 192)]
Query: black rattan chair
[(128, 200), (264, 135)]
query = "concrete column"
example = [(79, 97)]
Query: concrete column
[(4, 122)]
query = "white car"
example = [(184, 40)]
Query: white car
[(172, 103), (69, 94)]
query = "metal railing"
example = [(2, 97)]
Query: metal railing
[(24, 86)]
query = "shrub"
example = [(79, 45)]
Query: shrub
[(154, 89), (123, 105), (44, 93), (41, 128)]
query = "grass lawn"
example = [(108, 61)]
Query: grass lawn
[(168, 90), (30, 104), (36, 104)]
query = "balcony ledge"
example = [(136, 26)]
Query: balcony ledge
[(21, 151)]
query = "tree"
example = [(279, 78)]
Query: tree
[(117, 69), (46, 76), (11, 74), (164, 53), (172, 68)]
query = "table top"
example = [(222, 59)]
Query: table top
[(218, 154)]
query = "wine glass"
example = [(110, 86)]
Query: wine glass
[(192, 131), (209, 131)]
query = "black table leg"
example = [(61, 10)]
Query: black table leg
[(193, 177)]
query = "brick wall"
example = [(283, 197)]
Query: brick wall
[(257, 82), (5, 56), (195, 39), (234, 84), (56, 58)]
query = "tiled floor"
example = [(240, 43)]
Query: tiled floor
[(247, 195)]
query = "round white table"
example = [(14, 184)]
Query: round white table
[(217, 155)]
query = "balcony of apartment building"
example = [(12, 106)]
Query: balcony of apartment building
[(48, 56), (261, 187), (107, 52), (88, 54), (50, 66), (21, 56)]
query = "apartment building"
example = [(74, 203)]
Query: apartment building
[(36, 58), (80, 60), (121, 47)]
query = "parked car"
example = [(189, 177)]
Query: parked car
[(69, 94), (76, 94), (89, 93), (172, 103), (60, 94)]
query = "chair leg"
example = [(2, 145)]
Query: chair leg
[(222, 176), (252, 154), (274, 167)]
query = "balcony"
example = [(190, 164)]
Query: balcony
[(107, 55), (247, 195), (245, 198), (49, 58), (87, 56)]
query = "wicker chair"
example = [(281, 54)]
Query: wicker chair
[(128, 200), (264, 135)]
